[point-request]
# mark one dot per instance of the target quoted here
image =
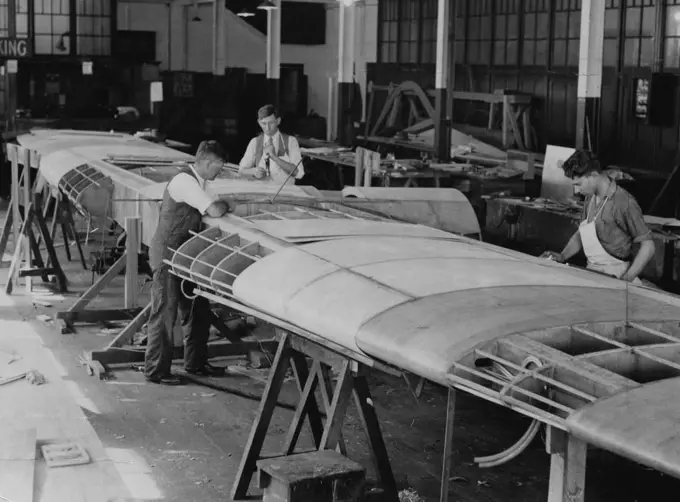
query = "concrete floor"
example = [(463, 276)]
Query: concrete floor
[(189, 439)]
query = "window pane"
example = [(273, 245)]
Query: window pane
[(559, 53), (648, 21), (631, 52), (646, 52), (610, 55), (611, 23), (632, 22), (673, 21), (529, 53), (672, 53)]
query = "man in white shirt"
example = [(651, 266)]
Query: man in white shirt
[(185, 202), (272, 155)]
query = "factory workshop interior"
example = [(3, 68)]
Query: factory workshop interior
[(340, 250)]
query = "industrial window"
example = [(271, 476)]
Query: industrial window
[(536, 33), (22, 18), (52, 27), (672, 43), (428, 50), (479, 32), (638, 44), (4, 11), (567, 33), (612, 21), (389, 24), (409, 30), (506, 32), (94, 27)]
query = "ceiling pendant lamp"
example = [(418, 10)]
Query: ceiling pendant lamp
[(266, 5), (246, 12)]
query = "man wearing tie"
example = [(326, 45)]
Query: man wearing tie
[(272, 155)]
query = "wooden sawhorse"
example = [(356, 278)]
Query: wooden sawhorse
[(293, 351)]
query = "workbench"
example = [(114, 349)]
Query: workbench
[(404, 170), (549, 226)]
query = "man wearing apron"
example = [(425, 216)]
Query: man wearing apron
[(612, 223), (272, 156), (185, 202)]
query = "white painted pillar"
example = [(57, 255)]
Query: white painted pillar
[(591, 53), (346, 62), (219, 38), (442, 132), (274, 52)]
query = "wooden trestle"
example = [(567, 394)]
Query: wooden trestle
[(293, 352)]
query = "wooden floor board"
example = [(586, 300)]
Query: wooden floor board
[(52, 412)]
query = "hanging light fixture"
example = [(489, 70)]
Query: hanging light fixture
[(266, 5), (196, 18), (246, 12)]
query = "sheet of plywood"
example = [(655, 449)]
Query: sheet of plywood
[(51, 409), (17, 462), (555, 184)]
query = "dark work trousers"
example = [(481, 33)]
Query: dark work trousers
[(167, 302)]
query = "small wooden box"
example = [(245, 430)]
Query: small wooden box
[(319, 476)]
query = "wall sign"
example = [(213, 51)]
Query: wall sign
[(87, 68), (183, 85), (12, 47), (12, 66), (641, 100)]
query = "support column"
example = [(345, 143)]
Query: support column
[(274, 53), (346, 61), (442, 137), (11, 82), (590, 74), (219, 38)]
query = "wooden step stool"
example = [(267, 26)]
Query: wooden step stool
[(318, 476)]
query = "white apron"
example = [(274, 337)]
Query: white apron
[(598, 258)]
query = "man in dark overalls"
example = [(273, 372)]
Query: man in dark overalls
[(185, 202)]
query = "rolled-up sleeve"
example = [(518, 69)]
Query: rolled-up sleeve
[(248, 160), (295, 156), (184, 188), (635, 222)]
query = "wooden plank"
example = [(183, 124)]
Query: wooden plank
[(448, 445), (25, 156), (94, 316), (258, 431), (378, 449), (16, 258), (99, 286), (126, 336), (134, 354), (339, 403), (6, 230), (307, 406), (16, 214), (17, 462), (132, 261), (49, 244), (586, 377)]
